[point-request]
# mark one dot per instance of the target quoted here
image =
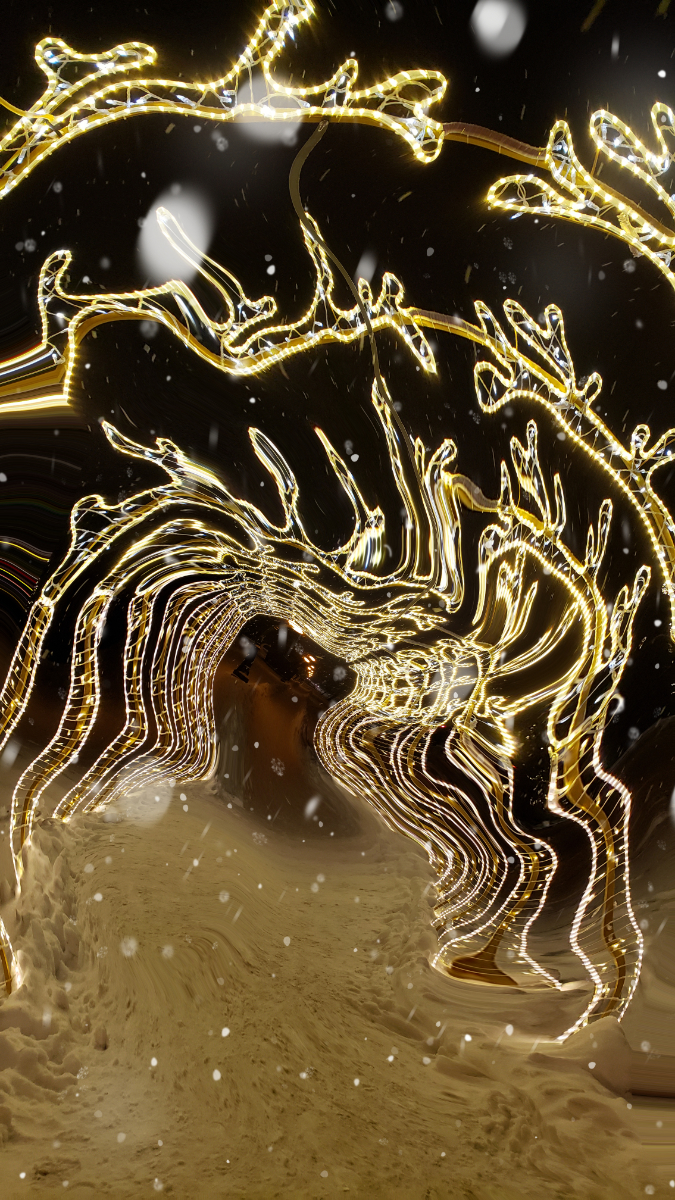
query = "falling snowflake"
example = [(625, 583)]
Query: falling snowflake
[(278, 766), (259, 838)]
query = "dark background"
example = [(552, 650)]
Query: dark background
[(618, 323)]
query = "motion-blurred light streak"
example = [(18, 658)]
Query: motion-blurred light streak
[(433, 726), (408, 687)]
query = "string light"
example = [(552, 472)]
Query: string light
[(432, 728), (580, 197), (87, 91), (378, 739), (239, 344)]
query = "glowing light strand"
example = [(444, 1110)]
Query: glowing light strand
[(578, 195), (87, 91), (245, 342), (383, 738), (409, 692)]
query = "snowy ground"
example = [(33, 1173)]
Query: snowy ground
[(215, 1005)]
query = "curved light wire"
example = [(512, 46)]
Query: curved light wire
[(431, 730)]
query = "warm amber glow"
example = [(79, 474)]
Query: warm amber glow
[(547, 644)]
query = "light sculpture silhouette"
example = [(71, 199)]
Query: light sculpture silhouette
[(430, 730)]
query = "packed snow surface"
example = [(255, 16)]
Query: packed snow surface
[(214, 1006)]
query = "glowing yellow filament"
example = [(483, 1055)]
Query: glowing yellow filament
[(432, 728)]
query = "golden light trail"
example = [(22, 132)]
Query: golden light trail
[(247, 341), (86, 91), (432, 729), (577, 195)]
